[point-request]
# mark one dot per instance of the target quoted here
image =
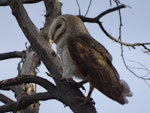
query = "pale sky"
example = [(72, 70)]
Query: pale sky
[(136, 28)]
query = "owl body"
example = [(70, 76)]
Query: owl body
[(83, 57), (69, 69)]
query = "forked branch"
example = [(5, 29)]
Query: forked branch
[(15, 54), (97, 20)]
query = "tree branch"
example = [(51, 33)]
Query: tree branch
[(26, 101), (121, 42), (96, 20), (15, 54), (66, 95), (5, 99), (28, 79), (5, 2)]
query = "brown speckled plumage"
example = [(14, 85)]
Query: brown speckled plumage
[(84, 57)]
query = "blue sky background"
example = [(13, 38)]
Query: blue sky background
[(136, 28)]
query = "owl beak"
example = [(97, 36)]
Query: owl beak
[(50, 41)]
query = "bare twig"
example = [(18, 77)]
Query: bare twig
[(116, 1), (122, 55), (92, 20), (147, 83), (5, 2), (111, 10), (15, 54), (78, 7), (88, 8), (121, 42), (143, 67), (5, 99), (96, 20), (120, 19)]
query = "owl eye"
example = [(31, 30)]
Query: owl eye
[(59, 25)]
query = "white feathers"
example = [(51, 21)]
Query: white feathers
[(126, 89)]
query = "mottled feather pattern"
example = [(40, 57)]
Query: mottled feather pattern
[(95, 65), (83, 57)]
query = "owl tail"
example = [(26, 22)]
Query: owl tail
[(125, 93)]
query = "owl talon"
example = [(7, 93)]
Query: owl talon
[(85, 100), (77, 84)]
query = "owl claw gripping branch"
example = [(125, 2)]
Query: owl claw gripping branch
[(85, 58)]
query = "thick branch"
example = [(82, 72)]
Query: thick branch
[(26, 101), (65, 94), (5, 2), (5, 99), (15, 54), (110, 10), (28, 79)]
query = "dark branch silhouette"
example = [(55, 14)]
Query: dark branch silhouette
[(26, 101), (5, 2), (5, 99), (15, 54), (28, 79), (97, 20)]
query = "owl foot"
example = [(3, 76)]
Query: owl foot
[(77, 84), (85, 100)]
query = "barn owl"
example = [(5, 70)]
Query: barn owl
[(85, 58)]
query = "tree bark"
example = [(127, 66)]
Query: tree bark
[(30, 63), (66, 93)]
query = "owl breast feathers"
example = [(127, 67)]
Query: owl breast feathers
[(83, 57)]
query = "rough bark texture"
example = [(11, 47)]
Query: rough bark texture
[(30, 63)]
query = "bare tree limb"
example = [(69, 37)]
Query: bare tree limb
[(5, 2), (121, 42), (78, 7), (28, 79), (15, 54), (63, 95), (88, 8), (5, 99), (96, 20), (122, 55), (26, 101)]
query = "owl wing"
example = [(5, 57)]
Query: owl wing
[(94, 63)]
